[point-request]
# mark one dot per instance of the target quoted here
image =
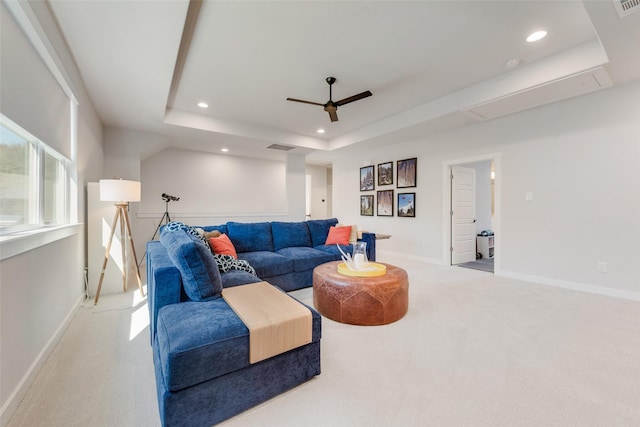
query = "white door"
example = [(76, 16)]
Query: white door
[(463, 214)]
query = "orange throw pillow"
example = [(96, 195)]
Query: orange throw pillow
[(339, 235), (222, 246)]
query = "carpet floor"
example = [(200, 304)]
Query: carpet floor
[(473, 350)]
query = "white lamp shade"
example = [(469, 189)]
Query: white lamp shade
[(119, 190)]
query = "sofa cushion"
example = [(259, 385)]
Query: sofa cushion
[(198, 269), (201, 341), (238, 277), (250, 237), (290, 234), (319, 229), (305, 258), (267, 264), (221, 228), (334, 251)]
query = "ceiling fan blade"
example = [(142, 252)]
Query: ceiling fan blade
[(354, 98), (305, 102), (331, 108)]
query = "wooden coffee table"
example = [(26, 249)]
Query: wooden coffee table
[(377, 300)]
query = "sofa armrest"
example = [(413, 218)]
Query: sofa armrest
[(164, 283), (370, 239)]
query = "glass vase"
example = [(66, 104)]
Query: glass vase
[(359, 256)]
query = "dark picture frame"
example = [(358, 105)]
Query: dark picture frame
[(407, 205), (385, 173), (366, 205), (385, 203), (367, 178), (406, 172)]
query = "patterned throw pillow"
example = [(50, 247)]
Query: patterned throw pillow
[(177, 225), (227, 262)]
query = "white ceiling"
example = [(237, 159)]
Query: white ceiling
[(426, 62)]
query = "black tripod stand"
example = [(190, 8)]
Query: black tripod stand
[(166, 219)]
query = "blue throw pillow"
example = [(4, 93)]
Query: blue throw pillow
[(200, 275), (290, 235), (319, 229), (250, 237)]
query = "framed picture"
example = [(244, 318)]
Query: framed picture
[(366, 178), (407, 204), (385, 203), (406, 173), (385, 173), (366, 205)]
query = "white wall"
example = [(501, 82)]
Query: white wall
[(39, 293), (126, 148), (580, 160), (212, 185), (214, 189), (40, 289), (295, 191)]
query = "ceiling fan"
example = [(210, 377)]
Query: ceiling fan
[(332, 107)]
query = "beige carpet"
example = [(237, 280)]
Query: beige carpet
[(473, 350)]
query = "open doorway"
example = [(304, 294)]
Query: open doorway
[(471, 220)]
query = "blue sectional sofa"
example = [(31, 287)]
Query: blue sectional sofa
[(285, 253), (200, 346)]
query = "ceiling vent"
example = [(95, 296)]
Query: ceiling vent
[(626, 7), (280, 147), (567, 87)]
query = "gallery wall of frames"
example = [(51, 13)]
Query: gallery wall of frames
[(383, 201)]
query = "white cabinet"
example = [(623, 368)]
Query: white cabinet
[(485, 246)]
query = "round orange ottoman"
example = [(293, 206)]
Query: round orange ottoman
[(368, 301)]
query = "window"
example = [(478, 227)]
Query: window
[(33, 181)]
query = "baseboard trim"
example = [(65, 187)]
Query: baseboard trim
[(576, 286), (10, 406)]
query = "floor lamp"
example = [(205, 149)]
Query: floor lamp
[(121, 192)]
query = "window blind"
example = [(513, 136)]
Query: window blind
[(29, 94)]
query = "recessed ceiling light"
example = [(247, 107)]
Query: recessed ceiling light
[(224, 150), (320, 131), (203, 105), (513, 63), (538, 35)]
